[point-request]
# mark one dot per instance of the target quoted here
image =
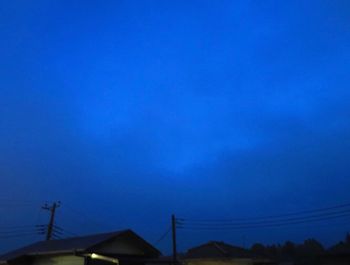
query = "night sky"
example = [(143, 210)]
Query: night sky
[(129, 111)]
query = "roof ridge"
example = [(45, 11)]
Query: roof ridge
[(219, 248)]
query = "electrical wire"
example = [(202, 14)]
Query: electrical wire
[(11, 230), (162, 236), (17, 235), (302, 217), (267, 221), (259, 226), (66, 232), (325, 209), (16, 227), (17, 230)]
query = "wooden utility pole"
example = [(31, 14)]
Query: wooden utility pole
[(173, 225), (52, 210)]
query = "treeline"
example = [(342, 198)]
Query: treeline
[(309, 252)]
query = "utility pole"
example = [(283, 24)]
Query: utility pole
[(52, 210), (173, 225)]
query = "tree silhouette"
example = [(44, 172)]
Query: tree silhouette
[(259, 249)]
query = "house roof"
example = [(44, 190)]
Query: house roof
[(74, 244), (217, 249)]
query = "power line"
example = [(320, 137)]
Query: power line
[(56, 230), (237, 227), (163, 236), (325, 209), (16, 226), (51, 230), (301, 217), (266, 221), (55, 236), (11, 233), (17, 231), (17, 235), (69, 233), (56, 227)]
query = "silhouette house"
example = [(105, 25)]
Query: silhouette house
[(121, 247), (220, 253)]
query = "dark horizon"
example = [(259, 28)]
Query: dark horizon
[(201, 230), (131, 111)]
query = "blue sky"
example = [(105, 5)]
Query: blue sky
[(132, 110)]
